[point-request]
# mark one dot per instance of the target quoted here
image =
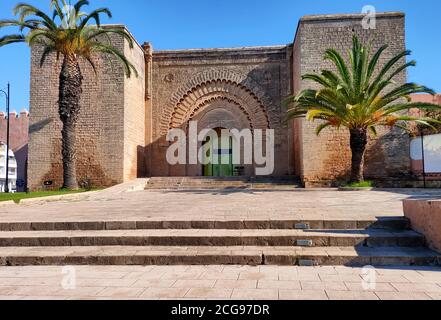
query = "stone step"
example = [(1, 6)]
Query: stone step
[(214, 183), (389, 223), (204, 237), (117, 255)]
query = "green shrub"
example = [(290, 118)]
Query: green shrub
[(364, 184)]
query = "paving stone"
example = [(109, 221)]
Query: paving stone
[(391, 278), (105, 282), (400, 296), (298, 277), (121, 292), (351, 295), (434, 296), (160, 293), (376, 287), (258, 276), (318, 285), (417, 287), (153, 283), (341, 278), (268, 284), (194, 284), (211, 275), (302, 295), (255, 294), (430, 278), (181, 275), (216, 293), (236, 284), (50, 298)]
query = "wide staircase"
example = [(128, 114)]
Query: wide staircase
[(378, 242), (223, 183)]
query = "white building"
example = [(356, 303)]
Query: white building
[(12, 169)]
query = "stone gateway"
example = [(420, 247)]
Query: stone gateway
[(124, 122)]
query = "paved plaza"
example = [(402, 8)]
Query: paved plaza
[(117, 205), (216, 281)]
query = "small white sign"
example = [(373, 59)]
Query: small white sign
[(432, 152)]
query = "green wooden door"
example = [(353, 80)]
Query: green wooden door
[(219, 156)]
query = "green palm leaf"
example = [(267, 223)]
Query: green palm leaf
[(352, 97)]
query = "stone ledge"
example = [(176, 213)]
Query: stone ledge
[(425, 217), (327, 17), (232, 255), (7, 203), (277, 53), (71, 197)]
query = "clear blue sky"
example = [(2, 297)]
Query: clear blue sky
[(176, 24)]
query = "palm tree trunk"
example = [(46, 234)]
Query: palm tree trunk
[(69, 108), (359, 140)]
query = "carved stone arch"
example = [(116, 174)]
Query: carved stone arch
[(256, 118), (219, 84), (226, 103)]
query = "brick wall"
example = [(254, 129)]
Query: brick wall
[(123, 122), (327, 157), (134, 116), (102, 136), (182, 79)]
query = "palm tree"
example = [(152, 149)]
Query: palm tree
[(360, 97), (70, 34)]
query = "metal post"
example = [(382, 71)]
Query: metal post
[(7, 94), (424, 159), (7, 140)]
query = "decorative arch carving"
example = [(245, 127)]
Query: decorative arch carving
[(211, 85), (225, 101)]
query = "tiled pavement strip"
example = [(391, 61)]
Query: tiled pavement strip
[(210, 205), (217, 282)]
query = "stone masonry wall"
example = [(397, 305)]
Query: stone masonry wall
[(123, 122), (134, 116), (101, 128), (249, 76), (327, 157)]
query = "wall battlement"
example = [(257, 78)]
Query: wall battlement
[(19, 129), (18, 141)]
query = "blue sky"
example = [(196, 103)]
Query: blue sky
[(177, 24)]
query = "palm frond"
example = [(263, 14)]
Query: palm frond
[(48, 49), (108, 49), (387, 67), (95, 15), (97, 32), (23, 10), (411, 105), (74, 36), (374, 61), (322, 127), (353, 98), (340, 64), (80, 4), (13, 38)]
